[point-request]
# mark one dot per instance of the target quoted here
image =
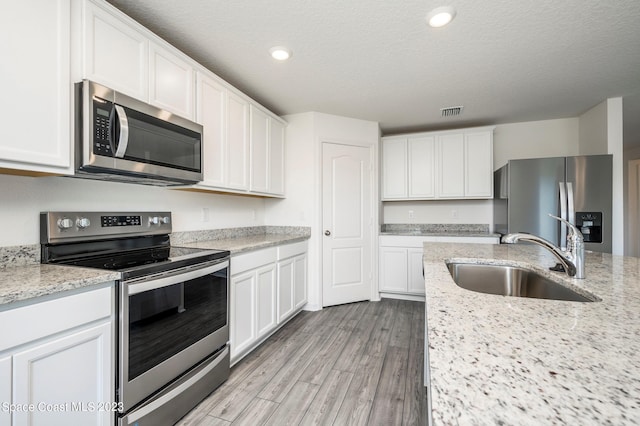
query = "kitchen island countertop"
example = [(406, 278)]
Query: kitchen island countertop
[(511, 360)]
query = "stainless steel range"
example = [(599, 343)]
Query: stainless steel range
[(173, 307)]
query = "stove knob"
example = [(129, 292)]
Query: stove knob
[(65, 223), (165, 220), (83, 223), (154, 220)]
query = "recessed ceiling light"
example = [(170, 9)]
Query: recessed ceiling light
[(280, 53), (441, 16)]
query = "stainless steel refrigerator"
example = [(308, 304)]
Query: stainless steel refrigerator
[(575, 188)]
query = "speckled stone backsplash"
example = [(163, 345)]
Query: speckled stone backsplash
[(444, 228), (19, 255), (178, 238)]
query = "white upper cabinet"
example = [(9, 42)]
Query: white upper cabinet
[(451, 166), (36, 87), (394, 168), (259, 150), (478, 159), (422, 166), (121, 54), (276, 157), (171, 82), (211, 113), (238, 142), (114, 53), (267, 153), (454, 164)]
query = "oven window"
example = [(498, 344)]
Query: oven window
[(164, 321)]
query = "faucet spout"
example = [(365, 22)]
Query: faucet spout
[(572, 259), (569, 266)]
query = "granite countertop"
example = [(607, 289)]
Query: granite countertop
[(437, 230), (243, 244), (456, 234), (20, 283), (511, 360), (22, 277)]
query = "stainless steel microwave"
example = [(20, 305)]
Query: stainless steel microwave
[(123, 139)]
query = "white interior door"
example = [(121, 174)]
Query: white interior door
[(347, 221)]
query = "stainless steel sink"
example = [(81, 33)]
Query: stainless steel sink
[(510, 281)]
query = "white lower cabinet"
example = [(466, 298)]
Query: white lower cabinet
[(268, 287), (285, 288), (5, 388), (243, 311), (300, 281), (401, 266), (60, 362)]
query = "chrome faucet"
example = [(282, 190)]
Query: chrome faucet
[(572, 259)]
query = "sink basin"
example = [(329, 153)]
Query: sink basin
[(510, 281)]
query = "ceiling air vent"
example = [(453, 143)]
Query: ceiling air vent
[(451, 111)]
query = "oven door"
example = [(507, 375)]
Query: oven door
[(169, 323)]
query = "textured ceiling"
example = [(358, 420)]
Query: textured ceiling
[(504, 60)]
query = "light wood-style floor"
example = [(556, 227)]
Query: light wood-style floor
[(355, 364)]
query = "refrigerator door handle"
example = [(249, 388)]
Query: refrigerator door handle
[(563, 215), (570, 204)]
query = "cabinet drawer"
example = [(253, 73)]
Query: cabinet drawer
[(291, 250), (53, 316), (252, 260)]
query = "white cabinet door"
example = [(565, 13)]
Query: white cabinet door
[(210, 112), (478, 165), (393, 269), (5, 388), (415, 277), (115, 54), (276, 158), (300, 281), (394, 168), (422, 167), (286, 279), (67, 370), (259, 148), (35, 85), (243, 312), (171, 82), (237, 142), (451, 167), (266, 299)]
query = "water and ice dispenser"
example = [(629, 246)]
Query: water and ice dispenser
[(590, 224)]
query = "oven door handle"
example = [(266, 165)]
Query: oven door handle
[(173, 277)]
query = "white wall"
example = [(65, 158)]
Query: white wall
[(615, 146), (445, 211), (593, 131), (601, 133), (535, 139), (305, 134), (23, 198)]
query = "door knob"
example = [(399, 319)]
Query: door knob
[(327, 232)]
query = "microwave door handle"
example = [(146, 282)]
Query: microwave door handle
[(123, 140)]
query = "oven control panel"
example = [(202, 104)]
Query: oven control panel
[(82, 226), (108, 221)]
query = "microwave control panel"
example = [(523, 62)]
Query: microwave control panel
[(101, 114)]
